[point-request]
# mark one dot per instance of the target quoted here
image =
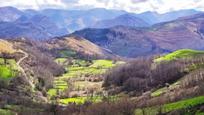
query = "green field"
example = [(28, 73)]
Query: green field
[(82, 100), (6, 112), (8, 69), (67, 53), (183, 104), (79, 68), (162, 90), (184, 53)]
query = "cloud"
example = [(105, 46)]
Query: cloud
[(160, 6), (33, 4), (137, 6)]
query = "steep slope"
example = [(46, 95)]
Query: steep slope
[(74, 20), (48, 23), (25, 71), (6, 47), (38, 27), (9, 14), (124, 20), (123, 41), (80, 46), (154, 17), (179, 34), (169, 36), (180, 54)]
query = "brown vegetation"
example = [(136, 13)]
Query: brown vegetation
[(142, 75)]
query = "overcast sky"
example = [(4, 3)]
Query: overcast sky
[(136, 6)]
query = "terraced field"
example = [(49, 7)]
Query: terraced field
[(78, 72), (183, 104)]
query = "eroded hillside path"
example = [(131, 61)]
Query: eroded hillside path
[(22, 69)]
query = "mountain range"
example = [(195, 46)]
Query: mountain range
[(49, 23), (186, 32), (122, 33), (154, 17), (128, 20)]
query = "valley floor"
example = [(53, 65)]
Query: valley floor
[(81, 82), (83, 79)]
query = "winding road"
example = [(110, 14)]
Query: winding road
[(22, 69)]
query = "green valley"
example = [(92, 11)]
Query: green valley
[(80, 78)]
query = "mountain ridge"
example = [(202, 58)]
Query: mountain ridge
[(166, 36)]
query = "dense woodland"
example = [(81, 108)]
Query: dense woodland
[(142, 75)]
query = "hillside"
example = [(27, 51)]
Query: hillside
[(37, 27), (148, 63), (128, 20), (74, 20), (23, 68), (122, 41), (81, 46), (168, 87), (6, 47), (184, 53), (48, 23), (183, 33), (154, 17), (9, 14), (40, 70)]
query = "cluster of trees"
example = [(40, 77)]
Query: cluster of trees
[(122, 107), (41, 66), (142, 75)]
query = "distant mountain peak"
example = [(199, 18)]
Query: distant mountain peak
[(9, 14), (129, 20)]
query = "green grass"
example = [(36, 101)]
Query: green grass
[(183, 104), (67, 53), (80, 85), (59, 86), (6, 112), (52, 92), (9, 63), (21, 108), (102, 64), (77, 69), (184, 53), (81, 67), (79, 62), (7, 70), (77, 100), (60, 60), (199, 113), (82, 100), (159, 92), (6, 73), (162, 90)]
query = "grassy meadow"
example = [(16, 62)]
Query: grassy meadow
[(80, 69), (183, 53)]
